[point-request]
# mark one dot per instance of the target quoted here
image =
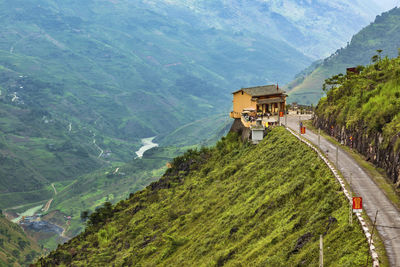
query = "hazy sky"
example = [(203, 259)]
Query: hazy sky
[(387, 4)]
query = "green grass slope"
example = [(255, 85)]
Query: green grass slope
[(370, 100), (112, 184), (16, 249), (235, 204), (383, 33)]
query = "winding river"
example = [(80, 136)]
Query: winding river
[(147, 144)]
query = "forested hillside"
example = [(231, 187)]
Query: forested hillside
[(235, 204), (16, 249), (363, 111), (383, 34)]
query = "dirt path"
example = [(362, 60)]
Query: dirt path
[(65, 230), (54, 188), (99, 148), (48, 203), (364, 186)]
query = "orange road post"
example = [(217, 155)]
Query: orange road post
[(357, 204)]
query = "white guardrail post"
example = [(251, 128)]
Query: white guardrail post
[(372, 249)]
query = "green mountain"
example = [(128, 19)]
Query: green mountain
[(382, 34), (81, 82), (316, 28), (79, 78), (16, 249), (364, 111), (233, 204)]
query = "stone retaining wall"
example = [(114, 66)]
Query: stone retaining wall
[(371, 146)]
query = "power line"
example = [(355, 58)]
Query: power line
[(387, 226), (393, 238)]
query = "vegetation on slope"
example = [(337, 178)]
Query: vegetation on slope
[(81, 77), (383, 33), (16, 249), (364, 111), (234, 204), (369, 101), (109, 184), (42, 142)]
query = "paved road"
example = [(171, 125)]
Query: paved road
[(373, 198)]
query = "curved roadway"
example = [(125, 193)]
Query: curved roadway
[(362, 185)]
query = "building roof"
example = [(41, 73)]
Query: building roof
[(270, 100), (262, 90)]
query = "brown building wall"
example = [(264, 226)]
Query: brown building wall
[(240, 102)]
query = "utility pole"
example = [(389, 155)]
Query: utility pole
[(279, 114), (337, 156), (299, 125), (351, 204), (321, 251), (370, 239), (351, 212), (285, 120), (319, 137)]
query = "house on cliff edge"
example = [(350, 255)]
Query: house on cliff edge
[(256, 107), (264, 100)]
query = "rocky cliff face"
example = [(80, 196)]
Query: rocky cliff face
[(385, 155), (240, 129)]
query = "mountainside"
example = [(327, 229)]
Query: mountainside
[(234, 204), (382, 34), (15, 247), (78, 78), (363, 111), (109, 184), (81, 82), (293, 22)]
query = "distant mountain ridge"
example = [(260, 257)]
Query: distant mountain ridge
[(293, 22), (383, 34)]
